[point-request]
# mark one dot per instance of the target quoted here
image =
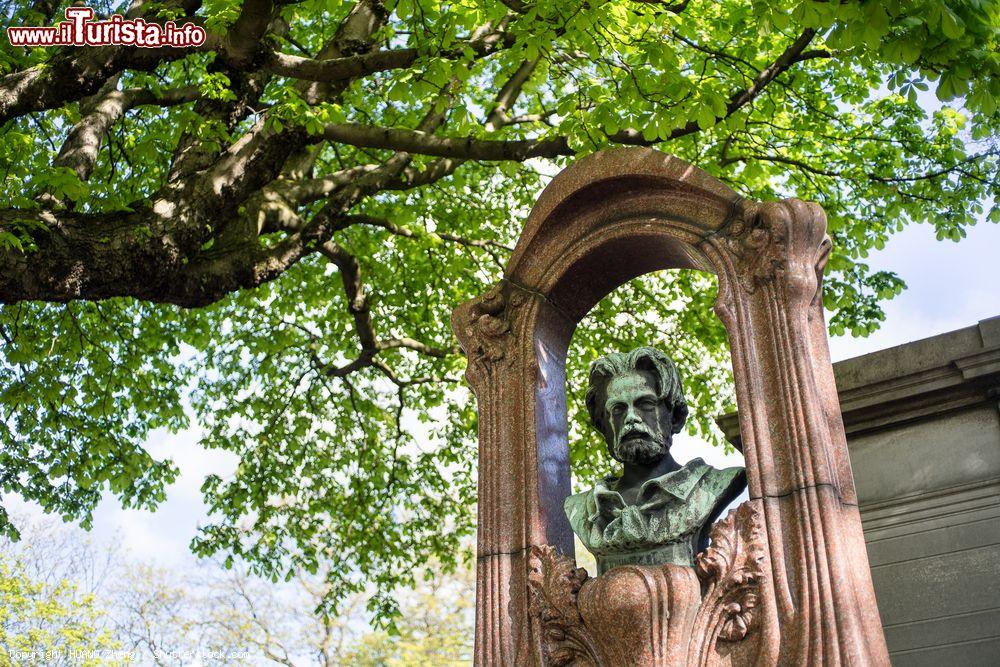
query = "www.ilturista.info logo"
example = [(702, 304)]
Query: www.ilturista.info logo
[(79, 29)]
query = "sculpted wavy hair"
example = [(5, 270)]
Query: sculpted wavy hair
[(667, 379)]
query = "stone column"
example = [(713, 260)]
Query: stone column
[(523, 459), (823, 610)]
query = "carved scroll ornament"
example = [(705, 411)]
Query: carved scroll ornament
[(555, 581), (731, 570)]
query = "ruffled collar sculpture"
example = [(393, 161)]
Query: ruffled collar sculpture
[(665, 525)]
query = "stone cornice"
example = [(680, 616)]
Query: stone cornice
[(915, 381)]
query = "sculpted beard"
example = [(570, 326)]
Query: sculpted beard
[(637, 446)]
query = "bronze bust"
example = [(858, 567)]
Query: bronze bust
[(657, 511)]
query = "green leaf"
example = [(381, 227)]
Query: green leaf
[(10, 242), (706, 118), (951, 25)]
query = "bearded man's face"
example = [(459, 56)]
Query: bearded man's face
[(638, 422)]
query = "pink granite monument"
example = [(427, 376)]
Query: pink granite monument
[(785, 580)]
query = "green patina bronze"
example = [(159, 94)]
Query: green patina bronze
[(657, 511)]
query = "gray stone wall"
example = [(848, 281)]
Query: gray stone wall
[(923, 428)]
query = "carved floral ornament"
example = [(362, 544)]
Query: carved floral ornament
[(555, 583), (730, 573), (731, 570), (488, 322), (759, 238)]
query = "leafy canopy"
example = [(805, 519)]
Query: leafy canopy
[(264, 236)]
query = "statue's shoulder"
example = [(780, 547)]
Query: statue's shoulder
[(717, 479), (576, 500), (577, 511), (581, 505)]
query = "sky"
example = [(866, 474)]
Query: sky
[(950, 286)]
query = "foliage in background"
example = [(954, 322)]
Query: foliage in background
[(65, 601), (239, 620), (48, 617), (265, 236)]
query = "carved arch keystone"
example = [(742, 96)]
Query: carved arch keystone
[(786, 580)]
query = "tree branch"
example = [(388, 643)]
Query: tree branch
[(79, 151), (357, 304), (494, 150), (760, 82), (417, 346), (309, 190), (672, 7), (242, 43), (819, 171), (363, 64), (399, 230), (359, 307), (406, 382), (426, 143)]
